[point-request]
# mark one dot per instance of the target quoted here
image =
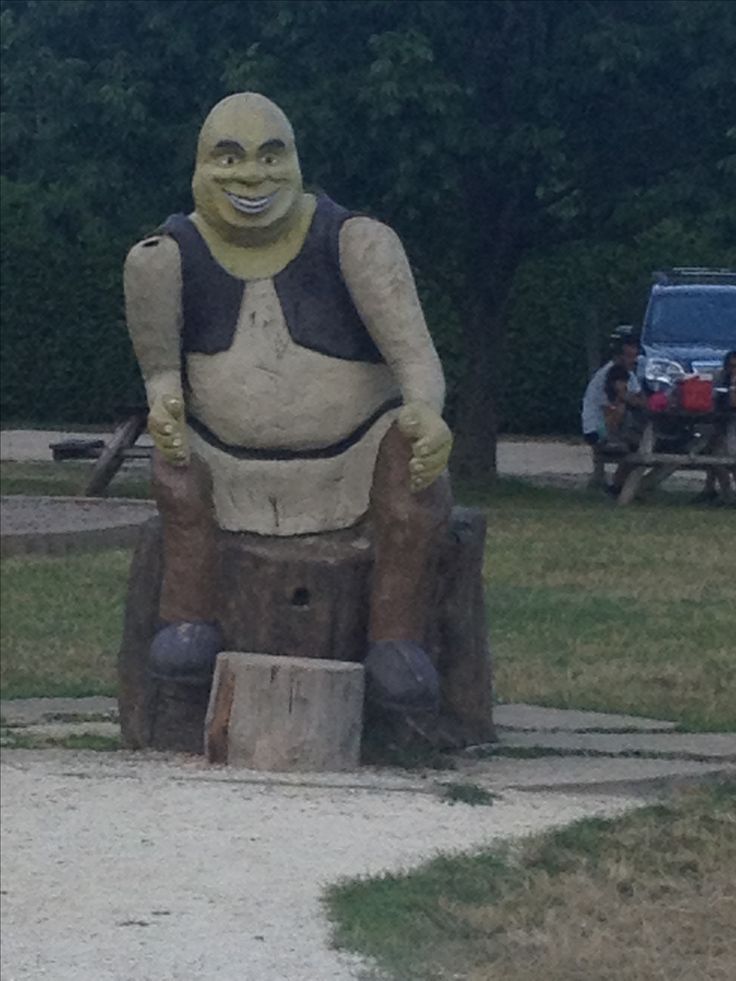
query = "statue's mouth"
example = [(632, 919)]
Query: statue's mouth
[(250, 206)]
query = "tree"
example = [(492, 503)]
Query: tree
[(483, 131)]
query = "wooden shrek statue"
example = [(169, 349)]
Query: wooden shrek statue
[(293, 387)]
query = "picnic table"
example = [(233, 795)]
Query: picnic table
[(110, 456), (700, 449)]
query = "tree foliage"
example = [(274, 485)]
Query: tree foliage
[(529, 152)]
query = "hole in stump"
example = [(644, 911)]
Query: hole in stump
[(300, 597)]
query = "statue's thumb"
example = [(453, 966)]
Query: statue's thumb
[(174, 406)]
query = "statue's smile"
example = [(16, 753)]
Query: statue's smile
[(250, 206)]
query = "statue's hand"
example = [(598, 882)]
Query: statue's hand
[(168, 429), (431, 443)]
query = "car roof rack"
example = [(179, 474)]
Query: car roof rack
[(694, 274)]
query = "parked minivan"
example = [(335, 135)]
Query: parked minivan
[(689, 325)]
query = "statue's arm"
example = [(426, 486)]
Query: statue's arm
[(153, 310), (380, 281), (378, 276)]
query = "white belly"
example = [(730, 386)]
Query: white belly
[(268, 392)]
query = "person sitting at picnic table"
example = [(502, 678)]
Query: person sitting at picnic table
[(724, 384), (613, 432), (617, 406), (724, 399)]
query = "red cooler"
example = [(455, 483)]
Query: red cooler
[(695, 394)]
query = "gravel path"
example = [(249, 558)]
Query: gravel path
[(165, 871)]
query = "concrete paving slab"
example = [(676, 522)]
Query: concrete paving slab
[(517, 716), (697, 746), (577, 774), (157, 872), (610, 775), (520, 716), (31, 711), (496, 773)]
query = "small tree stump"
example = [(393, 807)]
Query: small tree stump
[(307, 597), (285, 713)]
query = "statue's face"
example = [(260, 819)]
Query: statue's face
[(247, 175)]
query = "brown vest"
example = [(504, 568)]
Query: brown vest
[(317, 307)]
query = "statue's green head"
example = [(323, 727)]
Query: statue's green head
[(247, 177)]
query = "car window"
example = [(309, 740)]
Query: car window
[(692, 318)]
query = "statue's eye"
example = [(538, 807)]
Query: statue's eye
[(270, 160), (228, 160)]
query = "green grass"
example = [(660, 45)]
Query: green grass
[(467, 793), (68, 479), (590, 606), (14, 739), (647, 895), (625, 610), (61, 624)]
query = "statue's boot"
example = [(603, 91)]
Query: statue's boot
[(189, 638), (408, 529)]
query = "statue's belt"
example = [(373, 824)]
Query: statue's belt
[(285, 453)]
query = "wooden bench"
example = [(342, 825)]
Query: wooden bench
[(110, 456)]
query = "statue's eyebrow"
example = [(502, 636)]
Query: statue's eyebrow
[(271, 145), (231, 146)]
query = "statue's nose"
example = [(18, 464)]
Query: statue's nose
[(251, 173)]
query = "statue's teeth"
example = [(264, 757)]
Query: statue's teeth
[(250, 205)]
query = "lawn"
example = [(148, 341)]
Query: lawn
[(590, 606), (651, 895), (626, 610), (61, 624)]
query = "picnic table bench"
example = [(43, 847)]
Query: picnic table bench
[(652, 464), (110, 456)]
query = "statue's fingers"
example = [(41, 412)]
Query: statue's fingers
[(169, 443), (174, 406), (160, 426), (420, 479), (420, 482), (409, 426), (436, 461), (433, 442), (172, 441), (177, 456)]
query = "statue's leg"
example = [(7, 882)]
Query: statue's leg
[(187, 643), (408, 529)]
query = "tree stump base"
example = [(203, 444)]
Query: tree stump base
[(285, 713), (307, 597)]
